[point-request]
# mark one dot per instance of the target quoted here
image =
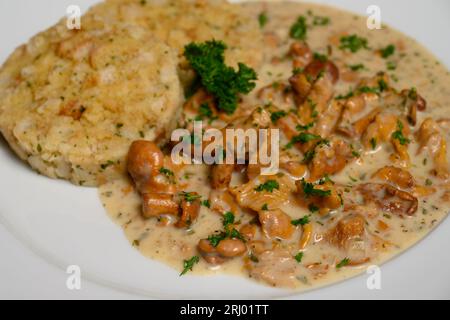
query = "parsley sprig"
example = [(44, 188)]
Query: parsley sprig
[(189, 265), (222, 81)]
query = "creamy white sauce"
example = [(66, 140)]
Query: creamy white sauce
[(416, 67)]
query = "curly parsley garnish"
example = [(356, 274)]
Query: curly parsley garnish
[(222, 81)]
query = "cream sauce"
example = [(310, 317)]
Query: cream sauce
[(415, 67)]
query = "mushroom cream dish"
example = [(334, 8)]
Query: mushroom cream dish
[(358, 120)]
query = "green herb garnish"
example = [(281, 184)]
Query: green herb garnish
[(299, 257), (306, 127), (357, 67), (299, 29), (398, 135), (373, 143), (301, 222), (223, 82), (106, 165), (263, 19), (303, 137), (346, 96), (321, 21), (310, 191), (268, 186), (189, 265), (353, 43), (189, 196), (228, 219), (390, 65), (275, 116), (320, 57), (343, 263), (388, 51), (166, 172), (313, 208), (206, 203), (215, 239)]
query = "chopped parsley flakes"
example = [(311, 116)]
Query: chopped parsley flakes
[(189, 196), (299, 29), (373, 143), (166, 172), (345, 262), (310, 191), (357, 67), (189, 265), (353, 43), (263, 19), (230, 232), (299, 257), (388, 51), (321, 21), (303, 137), (228, 219), (398, 135), (275, 116), (268, 186), (301, 222)]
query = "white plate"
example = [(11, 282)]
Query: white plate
[(66, 225)]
